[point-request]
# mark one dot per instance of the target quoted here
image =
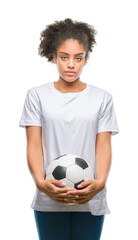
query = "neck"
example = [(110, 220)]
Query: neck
[(69, 86)]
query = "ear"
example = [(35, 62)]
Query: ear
[(85, 61), (54, 59)]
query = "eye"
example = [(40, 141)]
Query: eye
[(63, 58), (79, 60)]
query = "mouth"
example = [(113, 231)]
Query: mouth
[(70, 73)]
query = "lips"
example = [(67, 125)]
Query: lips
[(70, 73)]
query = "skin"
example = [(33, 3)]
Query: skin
[(69, 61), (103, 161), (54, 188)]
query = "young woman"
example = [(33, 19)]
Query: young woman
[(69, 116)]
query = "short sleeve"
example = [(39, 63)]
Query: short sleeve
[(107, 118), (31, 114)]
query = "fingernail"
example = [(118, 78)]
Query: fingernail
[(79, 186), (63, 184)]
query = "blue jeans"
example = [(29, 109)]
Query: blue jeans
[(68, 225)]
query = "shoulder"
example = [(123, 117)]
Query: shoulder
[(39, 90), (99, 93)]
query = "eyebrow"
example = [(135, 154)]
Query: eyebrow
[(74, 54)]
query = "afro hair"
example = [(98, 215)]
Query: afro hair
[(55, 34)]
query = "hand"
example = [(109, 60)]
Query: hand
[(55, 190), (90, 189)]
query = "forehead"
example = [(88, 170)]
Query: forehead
[(71, 46)]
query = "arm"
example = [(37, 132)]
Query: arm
[(103, 156), (102, 162), (53, 188), (35, 153)]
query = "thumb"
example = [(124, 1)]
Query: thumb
[(84, 183), (58, 183)]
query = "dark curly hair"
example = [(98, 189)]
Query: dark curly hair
[(55, 34)]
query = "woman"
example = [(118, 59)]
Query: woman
[(69, 116)]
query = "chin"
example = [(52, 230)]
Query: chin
[(69, 79)]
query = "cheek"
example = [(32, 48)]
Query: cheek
[(80, 68), (59, 68)]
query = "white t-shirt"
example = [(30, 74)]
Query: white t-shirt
[(70, 122)]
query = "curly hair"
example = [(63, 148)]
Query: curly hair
[(55, 34)]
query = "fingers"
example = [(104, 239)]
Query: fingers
[(77, 192), (60, 185), (60, 191), (82, 202), (66, 201), (67, 197), (64, 189), (57, 183)]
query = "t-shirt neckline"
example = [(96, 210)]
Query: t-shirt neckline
[(52, 86)]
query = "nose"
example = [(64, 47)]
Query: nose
[(71, 63)]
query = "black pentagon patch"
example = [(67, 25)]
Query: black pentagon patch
[(59, 172), (75, 185), (81, 162)]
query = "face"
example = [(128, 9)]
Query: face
[(70, 58)]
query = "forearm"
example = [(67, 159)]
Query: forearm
[(35, 163), (103, 162)]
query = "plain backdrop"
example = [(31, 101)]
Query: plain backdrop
[(112, 66)]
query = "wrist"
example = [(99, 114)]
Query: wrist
[(101, 182), (39, 182)]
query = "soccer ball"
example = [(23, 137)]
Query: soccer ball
[(70, 169)]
